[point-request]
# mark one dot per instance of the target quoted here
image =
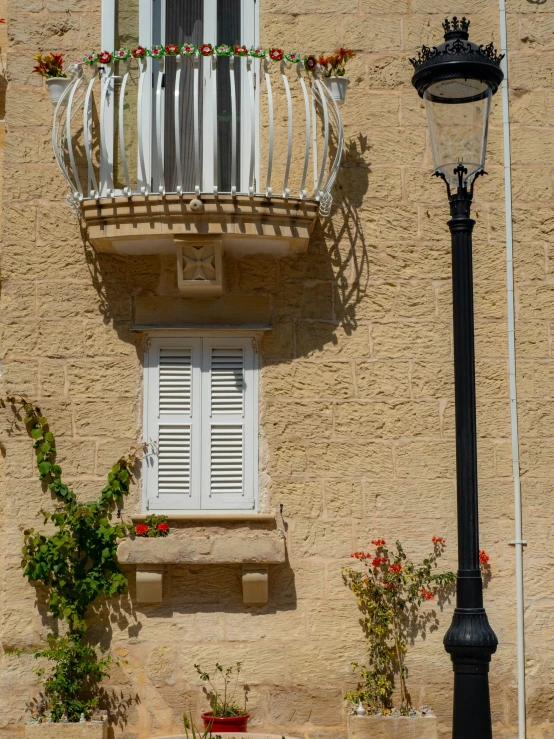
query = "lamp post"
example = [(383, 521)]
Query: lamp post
[(457, 81)]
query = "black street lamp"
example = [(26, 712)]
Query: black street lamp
[(457, 81)]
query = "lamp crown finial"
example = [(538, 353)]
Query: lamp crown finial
[(456, 28)]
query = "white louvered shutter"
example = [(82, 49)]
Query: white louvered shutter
[(173, 424), (229, 428)]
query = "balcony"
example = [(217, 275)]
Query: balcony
[(211, 153)]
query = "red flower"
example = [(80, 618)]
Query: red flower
[(388, 585), (240, 51), (141, 529), (483, 557), (162, 526), (378, 561), (206, 49), (378, 542), (396, 568), (360, 555), (139, 52), (310, 62), (172, 49), (276, 54), (438, 540), (427, 594), (105, 57)]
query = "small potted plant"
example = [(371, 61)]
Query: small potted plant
[(334, 71), (226, 714), (50, 66)]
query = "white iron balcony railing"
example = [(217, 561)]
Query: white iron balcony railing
[(178, 124)]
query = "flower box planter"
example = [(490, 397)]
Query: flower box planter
[(385, 727), (57, 86), (225, 724), (85, 730), (337, 86)]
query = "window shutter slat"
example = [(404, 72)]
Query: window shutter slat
[(174, 460), (227, 381), (175, 381)]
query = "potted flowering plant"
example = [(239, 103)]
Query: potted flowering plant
[(390, 590), (154, 526), (226, 714), (334, 71), (50, 66)]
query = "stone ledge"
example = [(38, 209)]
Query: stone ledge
[(265, 547), (87, 730), (382, 727)]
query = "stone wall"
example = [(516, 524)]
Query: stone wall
[(357, 416)]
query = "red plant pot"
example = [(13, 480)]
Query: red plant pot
[(224, 725)]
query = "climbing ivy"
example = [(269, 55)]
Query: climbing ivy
[(77, 562)]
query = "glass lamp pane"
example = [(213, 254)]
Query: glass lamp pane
[(458, 118)]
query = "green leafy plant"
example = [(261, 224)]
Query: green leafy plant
[(223, 699), (75, 564), (390, 590), (195, 733), (71, 685)]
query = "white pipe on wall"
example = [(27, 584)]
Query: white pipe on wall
[(518, 543)]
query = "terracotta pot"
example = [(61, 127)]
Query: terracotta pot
[(224, 725), (337, 87), (57, 86)]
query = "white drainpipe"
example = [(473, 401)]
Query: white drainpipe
[(518, 543)]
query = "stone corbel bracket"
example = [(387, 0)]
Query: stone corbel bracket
[(255, 551)]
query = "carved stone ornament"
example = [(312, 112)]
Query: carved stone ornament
[(199, 268)]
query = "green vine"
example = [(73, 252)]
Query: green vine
[(78, 562)]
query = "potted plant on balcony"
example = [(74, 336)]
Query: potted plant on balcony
[(226, 714), (334, 71), (50, 66), (390, 590)]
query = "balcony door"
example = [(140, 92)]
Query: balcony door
[(204, 150)]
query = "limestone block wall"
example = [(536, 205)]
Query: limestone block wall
[(356, 413)]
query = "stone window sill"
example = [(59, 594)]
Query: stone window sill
[(209, 517), (255, 550)]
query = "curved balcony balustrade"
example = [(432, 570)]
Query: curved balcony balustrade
[(189, 149)]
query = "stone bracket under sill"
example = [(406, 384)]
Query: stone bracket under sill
[(255, 551)]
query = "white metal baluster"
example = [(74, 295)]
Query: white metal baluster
[(215, 127), (196, 95), (79, 191), (303, 191), (286, 191), (249, 65), (323, 101), (314, 138), (143, 67), (177, 111), (106, 166), (58, 125), (127, 188), (159, 124), (233, 125), (92, 184), (271, 128), (327, 199)]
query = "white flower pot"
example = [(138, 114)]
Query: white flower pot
[(57, 86), (337, 87)]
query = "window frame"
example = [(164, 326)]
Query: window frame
[(205, 339)]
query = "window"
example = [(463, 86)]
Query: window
[(201, 421), (126, 23)]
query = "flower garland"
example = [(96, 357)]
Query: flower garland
[(310, 62)]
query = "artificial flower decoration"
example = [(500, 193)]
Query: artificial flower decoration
[(122, 54), (223, 50), (139, 52), (90, 59), (188, 49), (49, 66), (171, 49), (276, 54), (105, 57), (206, 49), (240, 51), (257, 53), (293, 57), (156, 52), (310, 63), (141, 529)]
